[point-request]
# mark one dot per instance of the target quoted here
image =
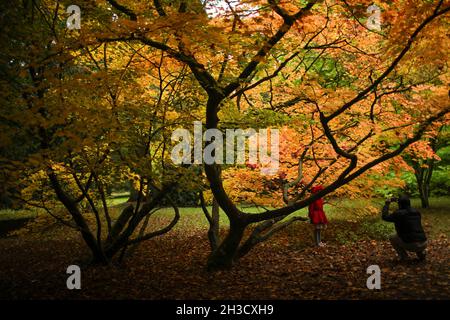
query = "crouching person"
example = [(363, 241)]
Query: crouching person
[(408, 225)]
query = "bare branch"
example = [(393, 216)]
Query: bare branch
[(362, 94), (123, 9), (339, 182), (159, 8)]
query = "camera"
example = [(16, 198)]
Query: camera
[(392, 199)]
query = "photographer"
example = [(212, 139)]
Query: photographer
[(410, 235)]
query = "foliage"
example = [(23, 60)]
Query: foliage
[(85, 111), (289, 268)]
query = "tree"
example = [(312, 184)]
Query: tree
[(423, 158), (387, 78), (328, 70), (88, 121)]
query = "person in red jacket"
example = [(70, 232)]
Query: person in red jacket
[(317, 216)]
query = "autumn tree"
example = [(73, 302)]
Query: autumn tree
[(423, 157), (378, 73), (350, 95), (79, 117)]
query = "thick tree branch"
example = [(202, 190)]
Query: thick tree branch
[(123, 9), (362, 94), (252, 218), (159, 8), (158, 232), (269, 44)]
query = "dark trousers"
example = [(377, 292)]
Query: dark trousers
[(402, 247)]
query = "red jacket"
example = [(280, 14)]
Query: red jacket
[(316, 213)]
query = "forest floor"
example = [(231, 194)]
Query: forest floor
[(33, 265)]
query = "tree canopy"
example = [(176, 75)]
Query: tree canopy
[(83, 110)]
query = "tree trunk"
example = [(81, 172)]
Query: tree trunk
[(213, 232), (98, 255), (213, 221), (423, 177), (424, 194), (425, 201), (223, 257), (134, 195), (426, 184), (133, 223)]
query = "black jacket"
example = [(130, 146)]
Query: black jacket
[(407, 222)]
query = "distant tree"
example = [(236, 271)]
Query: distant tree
[(424, 163)]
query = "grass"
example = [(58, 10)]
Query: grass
[(8, 214), (350, 220), (287, 262), (11, 220), (117, 198), (114, 201), (437, 217)]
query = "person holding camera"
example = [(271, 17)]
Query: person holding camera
[(408, 225)]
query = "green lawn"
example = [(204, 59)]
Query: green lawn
[(8, 214), (349, 219), (114, 201)]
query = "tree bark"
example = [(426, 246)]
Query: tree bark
[(424, 194), (223, 257), (98, 256), (213, 232), (423, 178), (122, 239)]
